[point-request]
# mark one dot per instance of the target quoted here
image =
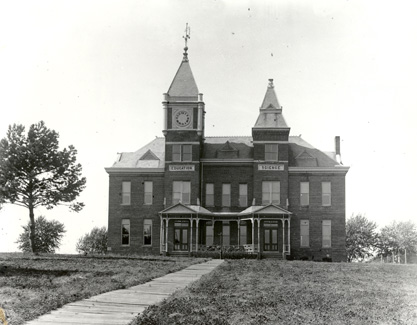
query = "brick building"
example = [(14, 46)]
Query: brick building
[(270, 192)]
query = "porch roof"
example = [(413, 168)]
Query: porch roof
[(181, 208), (267, 210)]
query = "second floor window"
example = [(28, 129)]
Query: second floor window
[(181, 152), (304, 193), (326, 194), (243, 195), (271, 192), (226, 195), (148, 188), (126, 193), (271, 152), (209, 195), (181, 192)]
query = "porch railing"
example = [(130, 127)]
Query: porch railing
[(229, 248)]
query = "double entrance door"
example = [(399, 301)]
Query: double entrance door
[(181, 236), (270, 235)]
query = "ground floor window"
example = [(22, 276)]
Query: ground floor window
[(181, 235), (125, 232), (226, 233), (209, 233), (243, 233), (305, 233), (327, 233), (147, 232)]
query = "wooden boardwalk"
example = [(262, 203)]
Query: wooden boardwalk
[(122, 306)]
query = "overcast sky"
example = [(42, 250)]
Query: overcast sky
[(95, 72)]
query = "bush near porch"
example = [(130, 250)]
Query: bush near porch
[(296, 292)]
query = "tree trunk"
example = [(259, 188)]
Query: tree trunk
[(32, 229), (405, 255)]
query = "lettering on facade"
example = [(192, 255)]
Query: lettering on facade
[(181, 168), (270, 167)]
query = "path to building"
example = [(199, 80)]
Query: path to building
[(122, 306)]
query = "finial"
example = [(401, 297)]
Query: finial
[(186, 38), (271, 83)]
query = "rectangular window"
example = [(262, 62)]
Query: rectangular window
[(125, 232), (305, 233), (243, 233), (327, 233), (148, 188), (176, 152), (209, 234), (181, 152), (181, 192), (271, 192), (304, 193), (126, 193), (186, 152), (147, 232), (243, 195), (326, 196), (226, 195), (210, 195), (271, 152), (226, 233)]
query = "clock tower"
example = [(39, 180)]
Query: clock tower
[(184, 135)]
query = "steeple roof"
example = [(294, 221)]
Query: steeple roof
[(270, 99), (183, 84), (270, 113)]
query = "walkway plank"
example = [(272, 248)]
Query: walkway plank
[(120, 307)]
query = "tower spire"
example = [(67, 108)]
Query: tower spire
[(186, 38)]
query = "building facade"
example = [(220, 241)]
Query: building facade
[(268, 193)]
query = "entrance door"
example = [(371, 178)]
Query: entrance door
[(181, 236), (270, 236)]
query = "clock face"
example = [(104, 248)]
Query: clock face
[(182, 118)]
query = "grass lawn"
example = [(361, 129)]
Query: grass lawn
[(283, 292), (33, 285)]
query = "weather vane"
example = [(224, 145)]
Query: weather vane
[(187, 34)]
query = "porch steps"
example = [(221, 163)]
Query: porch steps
[(276, 256), (180, 254)]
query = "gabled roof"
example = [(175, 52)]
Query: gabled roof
[(134, 159), (180, 208), (149, 155), (183, 84), (261, 209)]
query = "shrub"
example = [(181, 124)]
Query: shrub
[(94, 242), (48, 235)]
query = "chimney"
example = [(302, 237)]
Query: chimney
[(337, 149)]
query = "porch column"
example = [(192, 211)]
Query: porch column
[(259, 235), (238, 233), (166, 234), (283, 236), (289, 226), (161, 235), (253, 233), (191, 235), (196, 235)]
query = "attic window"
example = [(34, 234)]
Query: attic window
[(271, 152)]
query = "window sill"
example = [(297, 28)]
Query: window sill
[(147, 245), (125, 205)]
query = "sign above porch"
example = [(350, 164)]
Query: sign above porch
[(181, 168), (270, 167)]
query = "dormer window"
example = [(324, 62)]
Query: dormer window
[(181, 152), (271, 152)]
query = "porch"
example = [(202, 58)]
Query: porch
[(258, 229)]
